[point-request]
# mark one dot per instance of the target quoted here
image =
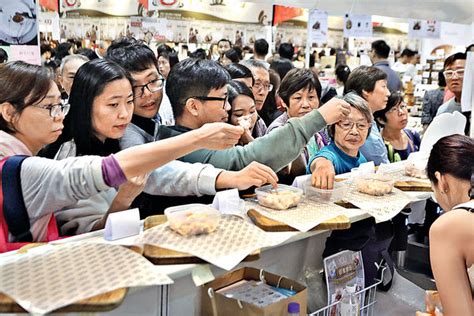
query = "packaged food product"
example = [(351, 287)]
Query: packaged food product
[(374, 184), (192, 219), (280, 199), (336, 194), (412, 170)]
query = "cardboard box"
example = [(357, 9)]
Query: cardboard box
[(216, 304)]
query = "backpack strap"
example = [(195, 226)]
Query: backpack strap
[(14, 209)]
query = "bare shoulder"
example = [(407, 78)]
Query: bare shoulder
[(456, 223)]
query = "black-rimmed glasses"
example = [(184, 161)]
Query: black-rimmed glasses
[(206, 98), (152, 86), (55, 110)]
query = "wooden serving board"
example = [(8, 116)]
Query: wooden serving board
[(100, 303), (420, 186), (271, 225), (160, 256)]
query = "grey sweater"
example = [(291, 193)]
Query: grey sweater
[(49, 185)]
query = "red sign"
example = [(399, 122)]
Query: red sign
[(50, 5), (282, 13)]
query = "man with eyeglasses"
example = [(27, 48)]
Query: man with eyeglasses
[(454, 75), (204, 100), (176, 182), (260, 89)]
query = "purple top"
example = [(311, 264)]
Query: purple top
[(112, 173)]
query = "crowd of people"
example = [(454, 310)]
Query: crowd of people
[(129, 127)]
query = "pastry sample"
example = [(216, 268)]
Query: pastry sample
[(375, 184), (194, 219), (281, 199)]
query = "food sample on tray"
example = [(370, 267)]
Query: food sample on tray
[(375, 184), (280, 199), (412, 170), (193, 219)]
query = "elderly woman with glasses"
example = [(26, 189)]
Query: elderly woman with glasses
[(399, 140), (347, 138), (31, 112)]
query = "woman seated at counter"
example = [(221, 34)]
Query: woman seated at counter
[(300, 91), (399, 140), (347, 137), (450, 169)]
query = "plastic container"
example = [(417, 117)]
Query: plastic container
[(350, 305), (283, 198), (192, 219), (293, 309), (336, 194), (374, 184)]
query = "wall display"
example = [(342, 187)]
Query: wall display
[(49, 25), (357, 25), (317, 26), (151, 29), (424, 29)]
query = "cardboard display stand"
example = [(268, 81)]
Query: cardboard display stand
[(215, 304)]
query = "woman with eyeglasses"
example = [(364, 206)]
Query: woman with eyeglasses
[(347, 138), (399, 140), (31, 110)]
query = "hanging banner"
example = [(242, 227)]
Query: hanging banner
[(424, 29), (357, 25), (101, 7), (317, 26), (49, 5), (224, 11), (161, 4)]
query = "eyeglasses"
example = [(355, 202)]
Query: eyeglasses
[(206, 98), (258, 86), (152, 86), (450, 73), (401, 108), (55, 110), (348, 125)]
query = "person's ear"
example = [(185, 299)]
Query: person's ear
[(365, 94), (442, 182), (280, 105), (8, 112), (193, 106)]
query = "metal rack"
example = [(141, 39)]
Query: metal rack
[(367, 304)]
